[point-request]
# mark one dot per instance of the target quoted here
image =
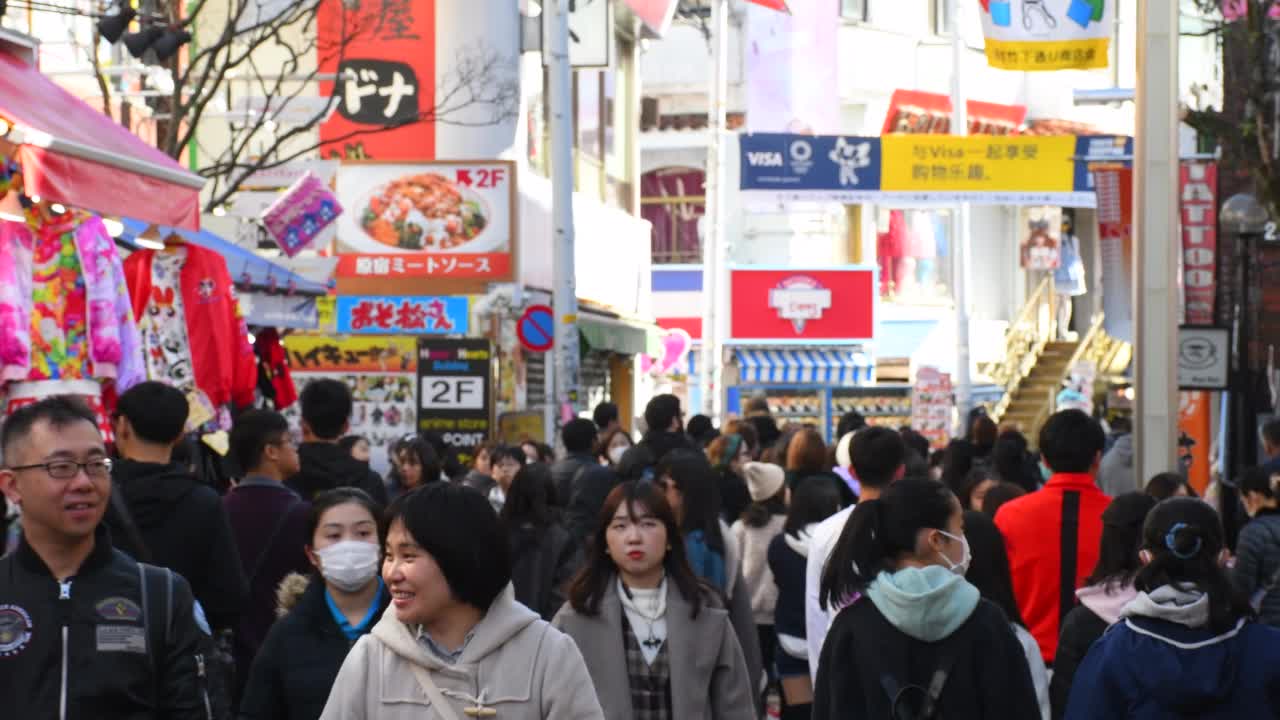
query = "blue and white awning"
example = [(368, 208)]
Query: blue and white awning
[(781, 366)]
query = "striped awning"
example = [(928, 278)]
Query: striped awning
[(828, 366)]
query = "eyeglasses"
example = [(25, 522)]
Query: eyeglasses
[(67, 469)]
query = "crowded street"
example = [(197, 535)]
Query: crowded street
[(639, 359)]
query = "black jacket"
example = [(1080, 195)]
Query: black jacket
[(566, 470), (543, 561), (788, 568), (592, 489), (326, 466), (295, 669), (1258, 561), (1080, 629), (184, 527), (989, 678), (98, 616)]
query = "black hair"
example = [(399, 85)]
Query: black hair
[(592, 582), (59, 411), (542, 450), (766, 430), (530, 498), (1121, 425), (989, 564), (447, 462), (915, 442), (877, 454), (459, 529), (637, 463), (156, 411), (758, 514), (851, 421), (815, 499), (349, 442), (579, 435), (605, 413), (983, 434), (1013, 463), (326, 407), (1271, 431), (325, 501), (253, 431), (425, 453), (976, 477), (1071, 441), (957, 461), (1163, 486), (1121, 537), (661, 411), (1001, 493), (700, 429), (699, 486), (502, 452), (879, 531), (1185, 538), (1258, 480)]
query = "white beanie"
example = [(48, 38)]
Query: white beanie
[(764, 480), (843, 459)]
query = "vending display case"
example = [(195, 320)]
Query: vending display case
[(821, 407), (797, 405), (887, 405)]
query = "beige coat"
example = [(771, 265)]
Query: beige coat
[(708, 675), (515, 664)]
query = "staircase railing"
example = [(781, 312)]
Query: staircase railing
[(1025, 341), (1093, 346)]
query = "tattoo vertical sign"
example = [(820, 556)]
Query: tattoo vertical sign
[(1199, 200), (382, 53)]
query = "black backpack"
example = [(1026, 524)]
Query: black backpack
[(909, 701)]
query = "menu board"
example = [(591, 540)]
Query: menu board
[(455, 393), (931, 405)]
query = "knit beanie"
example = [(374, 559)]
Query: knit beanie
[(764, 480)]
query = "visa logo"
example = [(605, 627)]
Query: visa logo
[(764, 159)]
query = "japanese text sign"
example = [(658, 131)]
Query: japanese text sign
[(312, 353), (1048, 34), (444, 219), (1199, 200), (455, 393), (298, 216), (794, 306), (978, 164), (403, 315)]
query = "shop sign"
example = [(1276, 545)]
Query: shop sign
[(391, 315), (427, 220), (1204, 358), (931, 405), (1034, 35), (913, 111), (1199, 198), (797, 306), (455, 392)]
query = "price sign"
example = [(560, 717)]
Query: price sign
[(455, 392)]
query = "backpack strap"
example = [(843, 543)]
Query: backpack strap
[(1069, 558), (121, 508), (156, 585)]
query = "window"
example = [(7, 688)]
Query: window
[(590, 141), (941, 17), (673, 200), (913, 250), (854, 10)]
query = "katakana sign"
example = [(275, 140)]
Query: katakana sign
[(377, 92), (390, 315)]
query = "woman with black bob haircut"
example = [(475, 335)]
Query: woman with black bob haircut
[(915, 638), (455, 642), (645, 623), (1105, 594), (543, 554), (1187, 646), (1257, 571), (416, 464), (321, 615)]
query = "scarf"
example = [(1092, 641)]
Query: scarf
[(707, 564)]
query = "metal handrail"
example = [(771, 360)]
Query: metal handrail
[(1025, 341), (1095, 334)]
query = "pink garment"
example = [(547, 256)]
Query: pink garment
[(1105, 602)]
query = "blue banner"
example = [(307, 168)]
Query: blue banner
[(779, 161), (391, 315)]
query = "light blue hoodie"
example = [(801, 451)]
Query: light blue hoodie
[(928, 603)]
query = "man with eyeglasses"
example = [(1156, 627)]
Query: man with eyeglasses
[(85, 631)]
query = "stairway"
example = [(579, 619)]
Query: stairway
[(1033, 400)]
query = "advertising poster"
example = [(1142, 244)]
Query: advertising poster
[(382, 375), (792, 67), (1115, 238), (427, 220), (1041, 230), (455, 384), (835, 306), (1048, 34), (416, 315), (1194, 420), (931, 405), (1199, 200)]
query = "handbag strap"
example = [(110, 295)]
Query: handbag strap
[(438, 701)]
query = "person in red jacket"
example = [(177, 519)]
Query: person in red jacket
[(1053, 535)]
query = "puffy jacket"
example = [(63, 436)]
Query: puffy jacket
[(293, 672), (1258, 561), (184, 528), (1099, 608), (326, 466), (1115, 474), (756, 573), (83, 644)]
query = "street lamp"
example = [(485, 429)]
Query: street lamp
[(1245, 218)]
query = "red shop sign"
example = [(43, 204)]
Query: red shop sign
[(1199, 200), (426, 265), (799, 305)]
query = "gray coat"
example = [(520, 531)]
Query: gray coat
[(1115, 474), (708, 675)]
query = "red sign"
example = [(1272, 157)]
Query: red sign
[(423, 265), (915, 112), (1199, 199), (384, 56), (790, 305)]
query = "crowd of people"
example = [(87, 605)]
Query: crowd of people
[(744, 571)]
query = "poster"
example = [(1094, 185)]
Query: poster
[(1194, 446), (427, 220), (412, 315), (931, 405), (1048, 34), (1199, 203), (1041, 232), (1115, 239), (836, 306), (381, 372), (455, 384)]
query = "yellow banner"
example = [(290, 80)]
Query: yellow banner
[(977, 163), (351, 354), (1033, 55)]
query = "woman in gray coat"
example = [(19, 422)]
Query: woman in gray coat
[(657, 643), (1257, 571)]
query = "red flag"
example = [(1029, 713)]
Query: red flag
[(780, 5)]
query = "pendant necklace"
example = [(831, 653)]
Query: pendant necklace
[(652, 642)]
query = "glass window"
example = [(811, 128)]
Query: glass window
[(913, 251), (853, 9), (673, 200)]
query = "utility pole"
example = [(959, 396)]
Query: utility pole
[(565, 299), (1155, 238), (715, 272), (960, 272)]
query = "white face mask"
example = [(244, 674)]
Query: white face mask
[(349, 564), (961, 567), (615, 454)]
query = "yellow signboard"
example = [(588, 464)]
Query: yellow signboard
[(977, 163)]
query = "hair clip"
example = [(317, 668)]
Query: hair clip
[(1171, 542)]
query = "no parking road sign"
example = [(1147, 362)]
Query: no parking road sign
[(536, 328)]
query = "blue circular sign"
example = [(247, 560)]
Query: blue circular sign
[(536, 328)]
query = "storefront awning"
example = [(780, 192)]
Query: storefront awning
[(625, 337), (73, 154), (781, 366)]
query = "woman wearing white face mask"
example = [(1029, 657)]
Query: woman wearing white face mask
[(613, 445), (293, 672), (915, 639)]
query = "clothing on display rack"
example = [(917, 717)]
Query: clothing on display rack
[(274, 380)]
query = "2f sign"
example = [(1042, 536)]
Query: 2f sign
[(452, 392)]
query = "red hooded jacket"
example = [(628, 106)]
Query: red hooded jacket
[(222, 359), (1045, 533)]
